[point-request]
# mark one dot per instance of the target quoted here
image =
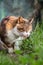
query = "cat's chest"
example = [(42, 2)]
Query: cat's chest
[(12, 35)]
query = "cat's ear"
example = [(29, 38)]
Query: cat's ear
[(20, 19), (26, 20), (31, 20)]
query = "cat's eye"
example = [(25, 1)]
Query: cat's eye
[(21, 29)]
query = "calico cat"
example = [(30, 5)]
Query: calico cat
[(15, 29)]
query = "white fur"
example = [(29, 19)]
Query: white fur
[(18, 42), (15, 31), (10, 36), (15, 36), (10, 50)]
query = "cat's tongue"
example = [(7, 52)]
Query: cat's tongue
[(26, 34)]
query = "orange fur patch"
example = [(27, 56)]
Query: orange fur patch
[(11, 23)]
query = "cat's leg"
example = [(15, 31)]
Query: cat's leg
[(10, 48), (17, 44)]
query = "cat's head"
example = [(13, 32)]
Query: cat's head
[(25, 26), (19, 25)]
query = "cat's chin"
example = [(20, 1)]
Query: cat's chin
[(26, 34)]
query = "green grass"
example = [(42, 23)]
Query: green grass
[(31, 51)]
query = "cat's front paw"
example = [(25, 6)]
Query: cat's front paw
[(10, 50)]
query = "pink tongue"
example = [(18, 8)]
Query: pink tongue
[(26, 34)]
